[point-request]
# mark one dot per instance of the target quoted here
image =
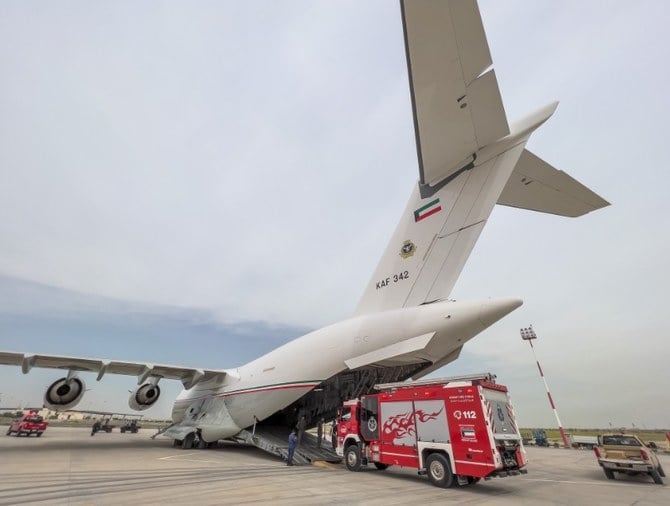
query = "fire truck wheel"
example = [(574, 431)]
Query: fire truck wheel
[(439, 471), (381, 466), (656, 477), (609, 473), (352, 458), (661, 471)]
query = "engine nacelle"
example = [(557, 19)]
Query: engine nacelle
[(144, 396), (64, 393)]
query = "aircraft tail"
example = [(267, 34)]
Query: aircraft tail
[(469, 157), (436, 234)]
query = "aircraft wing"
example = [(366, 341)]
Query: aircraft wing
[(187, 375), (457, 105)]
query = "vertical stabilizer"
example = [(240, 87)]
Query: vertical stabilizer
[(467, 153), (435, 236)]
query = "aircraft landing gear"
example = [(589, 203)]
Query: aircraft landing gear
[(188, 442), (193, 440)]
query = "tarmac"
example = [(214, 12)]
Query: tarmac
[(68, 466)]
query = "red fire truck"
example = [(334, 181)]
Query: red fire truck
[(456, 430)]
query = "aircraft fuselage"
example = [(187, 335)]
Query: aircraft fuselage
[(279, 378)]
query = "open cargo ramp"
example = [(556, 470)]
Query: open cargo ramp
[(274, 440)]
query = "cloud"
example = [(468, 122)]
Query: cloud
[(247, 162)]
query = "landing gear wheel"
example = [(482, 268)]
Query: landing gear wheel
[(439, 471), (189, 441), (656, 477), (381, 466), (352, 458), (609, 473)]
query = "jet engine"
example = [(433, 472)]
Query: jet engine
[(144, 396), (64, 393)]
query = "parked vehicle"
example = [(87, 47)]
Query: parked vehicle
[(456, 430), (583, 441), (31, 423), (626, 453), (540, 437), (130, 427), (105, 426)]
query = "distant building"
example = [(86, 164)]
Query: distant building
[(48, 414), (70, 415)]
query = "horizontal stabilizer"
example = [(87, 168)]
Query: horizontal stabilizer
[(538, 186), (411, 345)]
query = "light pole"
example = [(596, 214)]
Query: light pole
[(528, 334)]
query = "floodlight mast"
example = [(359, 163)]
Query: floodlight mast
[(528, 334)]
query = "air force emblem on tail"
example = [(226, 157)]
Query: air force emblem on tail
[(407, 249)]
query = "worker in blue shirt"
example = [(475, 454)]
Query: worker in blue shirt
[(292, 443)]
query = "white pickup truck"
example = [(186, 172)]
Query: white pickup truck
[(625, 453)]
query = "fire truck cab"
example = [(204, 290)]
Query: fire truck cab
[(457, 430)]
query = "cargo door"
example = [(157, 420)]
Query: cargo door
[(471, 445), (398, 433)]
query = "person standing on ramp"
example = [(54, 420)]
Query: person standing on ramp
[(292, 443)]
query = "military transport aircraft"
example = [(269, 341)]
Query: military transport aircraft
[(470, 159)]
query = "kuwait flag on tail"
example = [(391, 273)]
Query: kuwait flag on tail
[(429, 209)]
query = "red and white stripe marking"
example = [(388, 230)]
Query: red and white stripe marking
[(566, 443)]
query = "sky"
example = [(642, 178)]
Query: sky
[(196, 183)]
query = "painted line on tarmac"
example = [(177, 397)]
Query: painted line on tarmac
[(180, 457), (200, 461), (177, 455)]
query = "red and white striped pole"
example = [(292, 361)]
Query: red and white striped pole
[(528, 334)]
